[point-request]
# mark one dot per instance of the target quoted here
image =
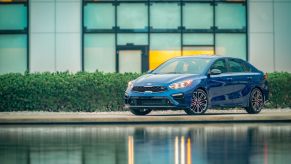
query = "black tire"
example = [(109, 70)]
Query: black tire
[(199, 103), (256, 101), (140, 111)]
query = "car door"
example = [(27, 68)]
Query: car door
[(219, 86), (240, 81)]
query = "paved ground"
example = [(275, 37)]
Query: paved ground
[(280, 115)]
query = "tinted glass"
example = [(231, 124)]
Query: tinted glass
[(221, 65), (197, 39), (136, 39), (99, 16), (183, 66), (13, 53), (132, 16), (230, 16), (165, 15), (198, 16), (247, 67), (235, 66), (163, 47), (232, 45), (99, 52), (13, 17)]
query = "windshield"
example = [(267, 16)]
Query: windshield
[(183, 66)]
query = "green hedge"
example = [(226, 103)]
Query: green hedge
[(63, 91), (92, 91), (280, 90)]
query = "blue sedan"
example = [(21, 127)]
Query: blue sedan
[(194, 84)]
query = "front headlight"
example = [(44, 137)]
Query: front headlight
[(182, 84), (130, 85)]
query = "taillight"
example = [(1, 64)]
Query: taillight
[(265, 76)]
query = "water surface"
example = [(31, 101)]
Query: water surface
[(146, 144)]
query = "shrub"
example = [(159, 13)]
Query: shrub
[(63, 91), (280, 89), (92, 91)]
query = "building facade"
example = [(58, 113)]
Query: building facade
[(137, 35)]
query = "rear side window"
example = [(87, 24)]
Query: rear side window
[(247, 67), (236, 66)]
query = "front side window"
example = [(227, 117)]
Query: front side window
[(220, 65)]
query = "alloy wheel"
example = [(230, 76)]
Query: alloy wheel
[(199, 102), (257, 100)]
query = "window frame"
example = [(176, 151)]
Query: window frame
[(24, 31), (180, 29)]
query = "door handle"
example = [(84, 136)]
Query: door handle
[(229, 79), (250, 78)]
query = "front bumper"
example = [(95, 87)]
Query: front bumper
[(158, 100)]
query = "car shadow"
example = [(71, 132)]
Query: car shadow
[(206, 114)]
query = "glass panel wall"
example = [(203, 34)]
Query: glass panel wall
[(198, 15), (13, 36), (13, 17), (230, 16), (13, 53), (198, 39), (163, 47), (165, 15), (99, 16), (132, 39), (99, 52), (195, 44), (232, 45), (165, 28), (132, 16)]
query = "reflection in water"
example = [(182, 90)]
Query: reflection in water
[(130, 150), (143, 144)]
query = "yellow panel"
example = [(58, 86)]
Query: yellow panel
[(6, 0), (157, 57), (197, 52)]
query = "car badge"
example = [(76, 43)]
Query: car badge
[(149, 83)]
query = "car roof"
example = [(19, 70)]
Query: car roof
[(201, 56), (206, 57)]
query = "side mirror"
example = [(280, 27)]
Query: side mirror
[(215, 72), (149, 71)]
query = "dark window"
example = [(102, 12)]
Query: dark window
[(236, 66), (247, 67), (219, 64)]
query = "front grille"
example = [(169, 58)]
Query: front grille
[(150, 102), (149, 88)]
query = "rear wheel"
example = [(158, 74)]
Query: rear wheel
[(140, 112), (199, 103), (256, 102)]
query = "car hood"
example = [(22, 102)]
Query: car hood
[(163, 79)]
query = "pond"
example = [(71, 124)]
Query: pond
[(145, 144)]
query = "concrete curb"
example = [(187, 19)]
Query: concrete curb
[(127, 118)]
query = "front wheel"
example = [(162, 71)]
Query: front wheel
[(140, 112), (256, 102), (199, 103)]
